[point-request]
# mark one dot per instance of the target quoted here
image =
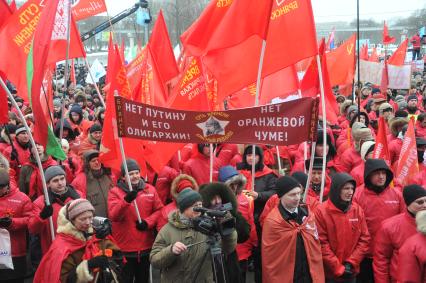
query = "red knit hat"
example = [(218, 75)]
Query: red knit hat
[(183, 184)]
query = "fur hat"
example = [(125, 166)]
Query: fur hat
[(77, 207), (182, 182), (396, 124), (366, 148), (385, 106), (211, 190), (344, 106), (421, 221), (360, 133)]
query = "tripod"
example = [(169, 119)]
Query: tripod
[(215, 251)]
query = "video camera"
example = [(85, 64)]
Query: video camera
[(214, 221), (102, 227)]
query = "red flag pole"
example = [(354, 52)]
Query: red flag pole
[(37, 157), (324, 126)]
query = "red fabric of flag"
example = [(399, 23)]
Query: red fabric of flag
[(398, 57), (386, 38), (162, 51), (12, 6), (5, 12), (374, 57), (72, 73), (225, 24), (4, 115), (385, 78), (363, 54), (408, 166), (341, 63), (83, 9), (381, 150)]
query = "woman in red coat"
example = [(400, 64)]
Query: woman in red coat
[(342, 230), (412, 263)]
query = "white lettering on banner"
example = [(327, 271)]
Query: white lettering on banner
[(165, 115), (60, 29), (272, 122), (271, 136), (133, 108), (157, 134)]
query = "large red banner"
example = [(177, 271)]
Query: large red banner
[(285, 123)]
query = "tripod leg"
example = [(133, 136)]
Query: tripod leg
[(218, 265)]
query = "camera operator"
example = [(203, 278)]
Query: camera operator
[(75, 255), (179, 249)]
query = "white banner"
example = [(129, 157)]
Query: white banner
[(399, 76), (370, 72), (97, 70)]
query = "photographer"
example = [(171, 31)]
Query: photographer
[(179, 249), (75, 255)]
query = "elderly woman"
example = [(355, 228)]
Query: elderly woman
[(75, 255)]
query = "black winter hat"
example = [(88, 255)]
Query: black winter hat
[(317, 163), (95, 128), (90, 154), (413, 192), (285, 184), (331, 148), (301, 177), (412, 97), (186, 198), (132, 165)]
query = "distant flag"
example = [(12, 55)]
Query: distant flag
[(386, 38), (83, 9), (408, 166), (97, 71), (330, 41), (398, 57)]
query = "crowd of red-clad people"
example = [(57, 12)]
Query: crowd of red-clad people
[(368, 228)]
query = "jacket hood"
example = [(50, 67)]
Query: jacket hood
[(331, 148), (337, 183), (372, 165), (421, 221), (210, 190), (344, 106), (76, 109), (67, 126), (176, 181), (248, 150), (65, 226), (395, 123)]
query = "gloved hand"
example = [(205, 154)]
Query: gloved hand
[(348, 273), (46, 212), (98, 262), (5, 222), (142, 226), (131, 196)]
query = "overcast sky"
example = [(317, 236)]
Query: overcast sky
[(331, 10)]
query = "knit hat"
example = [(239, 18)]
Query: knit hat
[(184, 184), (95, 128), (20, 129), (76, 109), (4, 177), (375, 90), (77, 207), (90, 154), (10, 128), (413, 192), (351, 109), (52, 172), (301, 177), (385, 107), (227, 172), (360, 134), (316, 165), (57, 102), (402, 105), (186, 198), (285, 184), (399, 98), (412, 97), (366, 148), (132, 165)]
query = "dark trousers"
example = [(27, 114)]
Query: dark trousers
[(353, 280), (17, 274), (416, 54), (366, 274), (136, 268), (243, 268)]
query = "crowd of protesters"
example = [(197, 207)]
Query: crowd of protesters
[(368, 228)]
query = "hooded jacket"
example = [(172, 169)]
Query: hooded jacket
[(124, 218), (342, 231), (164, 183), (378, 203), (198, 166), (182, 268), (18, 206)]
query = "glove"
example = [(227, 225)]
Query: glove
[(348, 273), (131, 196), (46, 212), (5, 222), (141, 226), (98, 262)]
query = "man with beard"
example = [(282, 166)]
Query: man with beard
[(379, 202), (94, 182), (412, 109), (92, 141), (134, 238), (18, 153)]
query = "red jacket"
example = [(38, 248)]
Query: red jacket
[(394, 150), (245, 207), (199, 168), (124, 218), (420, 178), (163, 219), (378, 207), (164, 181), (416, 41), (389, 239), (420, 131), (349, 159), (344, 237), (225, 153), (412, 268), (358, 173), (23, 156), (37, 225), (36, 185), (17, 206)]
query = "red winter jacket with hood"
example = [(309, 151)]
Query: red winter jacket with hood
[(342, 231), (389, 239), (18, 206), (378, 203), (124, 218), (198, 167)]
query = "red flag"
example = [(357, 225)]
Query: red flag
[(386, 38), (374, 57), (5, 12), (385, 78), (381, 150), (119, 80), (12, 6), (341, 63), (408, 165), (83, 9), (398, 57), (225, 24), (134, 71), (4, 115), (237, 67), (162, 51), (363, 54)]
